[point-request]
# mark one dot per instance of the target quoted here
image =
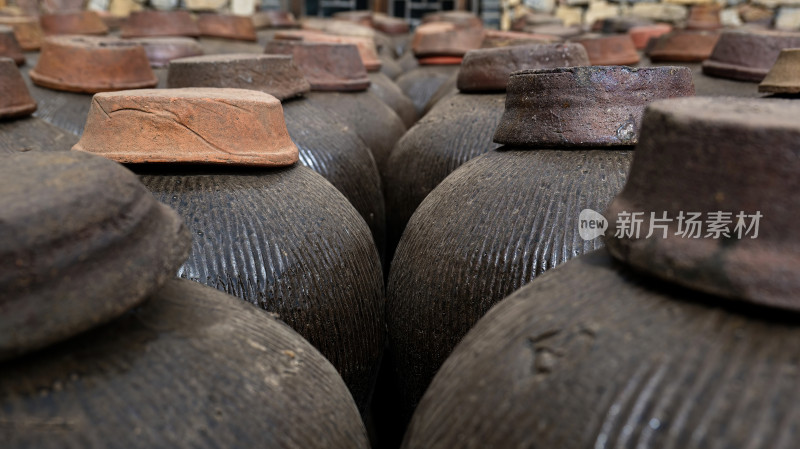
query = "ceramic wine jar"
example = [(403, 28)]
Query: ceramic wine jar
[(339, 84), (264, 228), (603, 353), (507, 216), (461, 126), (324, 141)]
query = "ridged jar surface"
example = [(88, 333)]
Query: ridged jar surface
[(190, 368), (328, 146), (458, 129), (288, 241), (384, 88), (33, 134), (420, 83), (593, 355), (492, 226)]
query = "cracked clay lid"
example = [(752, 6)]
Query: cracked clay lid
[(716, 181), (327, 67), (194, 125), (585, 106)]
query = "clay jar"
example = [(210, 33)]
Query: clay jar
[(507, 216), (462, 126), (9, 47), (599, 353), (339, 85), (324, 142), (267, 230), (747, 55), (86, 242)]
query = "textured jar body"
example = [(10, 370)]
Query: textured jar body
[(289, 242), (384, 88), (421, 83), (492, 226)]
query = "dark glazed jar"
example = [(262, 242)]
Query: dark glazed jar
[(462, 126), (507, 216), (601, 353), (265, 229)]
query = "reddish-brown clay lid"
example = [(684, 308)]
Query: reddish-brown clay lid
[(461, 19), (683, 46), (748, 55), (641, 35), (276, 75), (487, 70), (83, 242), (227, 27), (85, 22), (585, 106), (610, 50), (716, 179), (161, 50), (92, 64), (15, 100), (704, 17), (784, 77), (327, 67), (445, 39), (196, 125), (160, 23), (27, 30), (366, 46), (274, 19), (495, 38), (440, 60), (9, 47), (389, 24)]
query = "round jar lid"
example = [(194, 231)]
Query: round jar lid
[(327, 67)]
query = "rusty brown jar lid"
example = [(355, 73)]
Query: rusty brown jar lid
[(227, 27), (160, 23), (27, 30), (704, 17), (274, 19), (83, 242), (462, 19), (390, 25), (610, 50), (15, 100), (86, 22), (196, 125), (487, 70), (9, 47), (92, 64), (716, 181), (161, 50), (327, 67), (495, 38), (366, 46), (276, 75), (683, 46), (784, 77), (585, 106), (748, 55), (445, 39), (641, 35)]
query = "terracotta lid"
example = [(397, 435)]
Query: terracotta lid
[(327, 67), (610, 50), (15, 101), (721, 176), (389, 24), (83, 242), (274, 74), (495, 38), (784, 77), (748, 55), (27, 30), (440, 60), (361, 17), (9, 47), (641, 35), (366, 46), (704, 17), (585, 106), (159, 23), (461, 19), (92, 64), (445, 39), (488, 70), (196, 125), (274, 19), (227, 27), (683, 46), (85, 22), (161, 50)]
